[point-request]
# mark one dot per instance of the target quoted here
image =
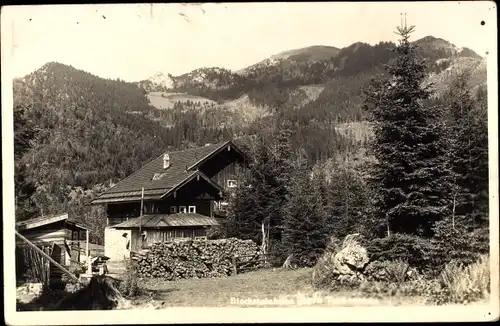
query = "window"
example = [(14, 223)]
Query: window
[(223, 206), (182, 209), (192, 209), (150, 208), (173, 209), (231, 183), (157, 176)]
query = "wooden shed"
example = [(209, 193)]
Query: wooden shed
[(56, 235), (166, 227)]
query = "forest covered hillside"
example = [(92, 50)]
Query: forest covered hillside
[(334, 74), (90, 132)]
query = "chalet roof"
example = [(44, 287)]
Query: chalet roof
[(168, 220), (183, 167), (46, 220)]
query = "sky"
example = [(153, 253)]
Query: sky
[(134, 41)]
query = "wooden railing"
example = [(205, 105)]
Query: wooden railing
[(239, 265)]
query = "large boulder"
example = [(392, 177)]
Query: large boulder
[(342, 264), (351, 259)]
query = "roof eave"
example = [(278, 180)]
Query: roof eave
[(30, 224), (130, 199), (186, 180), (221, 147)]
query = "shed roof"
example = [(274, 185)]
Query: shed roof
[(46, 220), (168, 220)]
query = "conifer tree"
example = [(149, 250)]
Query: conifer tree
[(411, 176), (468, 152), (305, 228), (243, 218), (250, 206), (282, 164)]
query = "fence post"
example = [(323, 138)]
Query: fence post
[(235, 267)]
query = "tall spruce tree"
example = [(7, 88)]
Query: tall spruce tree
[(283, 162), (253, 200), (411, 177), (305, 227), (468, 152)]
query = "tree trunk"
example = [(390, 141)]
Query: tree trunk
[(453, 213), (388, 227), (288, 262)]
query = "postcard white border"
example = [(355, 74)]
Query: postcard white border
[(236, 315)]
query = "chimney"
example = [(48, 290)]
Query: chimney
[(166, 161)]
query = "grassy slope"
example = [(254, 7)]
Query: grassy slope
[(164, 100), (291, 286)]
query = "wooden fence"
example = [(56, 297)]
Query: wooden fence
[(251, 264), (42, 265)]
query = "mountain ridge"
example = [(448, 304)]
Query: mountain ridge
[(320, 56), (268, 85)]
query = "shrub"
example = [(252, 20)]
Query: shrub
[(418, 252), (129, 286), (324, 271), (335, 245), (459, 244), (387, 271), (397, 270), (379, 289), (467, 283), (215, 232), (429, 290)]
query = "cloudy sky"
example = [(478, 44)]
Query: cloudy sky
[(133, 42)]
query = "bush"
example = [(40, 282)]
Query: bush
[(324, 271), (467, 283), (457, 283), (379, 289), (460, 244), (129, 286), (387, 271), (423, 254), (215, 232), (429, 290)]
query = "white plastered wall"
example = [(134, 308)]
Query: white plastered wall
[(115, 244)]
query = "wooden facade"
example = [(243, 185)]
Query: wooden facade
[(226, 165), (138, 241), (191, 181), (117, 213), (194, 197), (53, 234)]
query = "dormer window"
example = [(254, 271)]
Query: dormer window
[(173, 209), (192, 209), (158, 176), (182, 209), (232, 183)]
